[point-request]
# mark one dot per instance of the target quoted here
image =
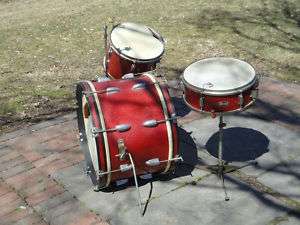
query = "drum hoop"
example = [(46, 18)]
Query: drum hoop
[(227, 112), (223, 92), (132, 58), (83, 144), (105, 138)]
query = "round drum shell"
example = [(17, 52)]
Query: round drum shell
[(211, 103), (117, 66), (131, 106)]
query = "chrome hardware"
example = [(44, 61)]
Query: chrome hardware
[(241, 100), (154, 123), (123, 168), (110, 90), (101, 78), (87, 171), (202, 100), (254, 94), (223, 103), (128, 76), (139, 86), (136, 184), (119, 128), (156, 161), (122, 149)]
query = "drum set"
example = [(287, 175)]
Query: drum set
[(127, 122)]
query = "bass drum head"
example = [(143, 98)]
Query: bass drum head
[(87, 141), (136, 42), (219, 76)]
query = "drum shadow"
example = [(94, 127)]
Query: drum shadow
[(239, 144), (181, 108), (188, 152)]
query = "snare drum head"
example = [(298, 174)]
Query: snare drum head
[(136, 41), (219, 76)]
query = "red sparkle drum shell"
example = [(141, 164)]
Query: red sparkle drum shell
[(117, 66), (135, 101), (133, 48), (220, 85)]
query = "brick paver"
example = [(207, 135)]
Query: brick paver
[(28, 194)]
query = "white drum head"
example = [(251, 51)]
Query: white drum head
[(219, 76), (136, 41)]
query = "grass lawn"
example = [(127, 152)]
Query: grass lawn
[(47, 46)]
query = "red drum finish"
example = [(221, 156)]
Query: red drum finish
[(130, 102), (117, 66), (216, 104), (219, 85), (133, 48)]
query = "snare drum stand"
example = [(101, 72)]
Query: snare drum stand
[(221, 164)]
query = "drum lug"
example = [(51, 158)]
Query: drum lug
[(109, 90), (120, 128), (154, 123), (139, 86), (122, 149), (223, 103), (202, 101), (156, 161), (241, 100)]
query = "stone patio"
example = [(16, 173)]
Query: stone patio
[(42, 179)]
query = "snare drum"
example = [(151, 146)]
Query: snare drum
[(133, 48), (121, 117), (220, 85)]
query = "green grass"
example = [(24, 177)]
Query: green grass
[(47, 46)]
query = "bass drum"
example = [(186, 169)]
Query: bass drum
[(133, 48), (123, 119)]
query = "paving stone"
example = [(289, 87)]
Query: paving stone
[(14, 135), (39, 185), (7, 198), (9, 207), (4, 189), (10, 156), (25, 178), (89, 219), (16, 170), (46, 160), (73, 155), (44, 207), (289, 182), (4, 150), (32, 219), (65, 213), (172, 201), (63, 142), (54, 166), (16, 216), (12, 163), (50, 192)]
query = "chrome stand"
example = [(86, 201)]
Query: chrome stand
[(221, 163)]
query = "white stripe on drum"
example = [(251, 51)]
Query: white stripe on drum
[(106, 145), (168, 123)]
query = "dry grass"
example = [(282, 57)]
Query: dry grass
[(47, 46)]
